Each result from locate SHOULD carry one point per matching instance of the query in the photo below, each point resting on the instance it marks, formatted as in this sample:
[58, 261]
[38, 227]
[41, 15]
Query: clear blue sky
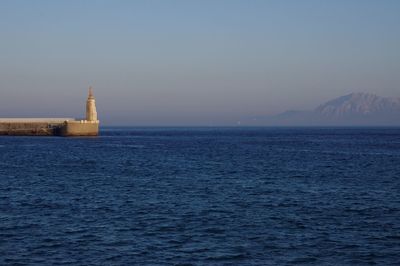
[193, 62]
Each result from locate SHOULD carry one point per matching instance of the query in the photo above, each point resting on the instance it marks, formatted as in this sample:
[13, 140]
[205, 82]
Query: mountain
[363, 104]
[355, 109]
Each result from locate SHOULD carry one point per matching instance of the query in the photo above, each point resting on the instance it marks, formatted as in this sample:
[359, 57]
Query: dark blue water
[213, 196]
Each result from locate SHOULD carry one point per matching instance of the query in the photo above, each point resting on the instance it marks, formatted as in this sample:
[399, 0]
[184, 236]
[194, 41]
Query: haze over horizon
[193, 62]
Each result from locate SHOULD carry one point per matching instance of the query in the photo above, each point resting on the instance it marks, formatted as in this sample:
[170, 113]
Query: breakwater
[30, 127]
[48, 128]
[54, 126]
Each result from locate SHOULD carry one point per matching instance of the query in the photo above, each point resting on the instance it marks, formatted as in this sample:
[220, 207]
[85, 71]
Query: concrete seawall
[29, 128]
[67, 127]
[51, 128]
[79, 128]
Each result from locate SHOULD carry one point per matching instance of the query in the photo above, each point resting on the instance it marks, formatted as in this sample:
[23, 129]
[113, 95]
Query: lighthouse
[91, 113]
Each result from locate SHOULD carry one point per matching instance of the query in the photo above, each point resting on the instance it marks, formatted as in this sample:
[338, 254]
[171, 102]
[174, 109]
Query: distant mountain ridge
[355, 109]
[358, 104]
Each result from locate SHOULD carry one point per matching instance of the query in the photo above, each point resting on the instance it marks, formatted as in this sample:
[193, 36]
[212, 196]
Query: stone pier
[54, 126]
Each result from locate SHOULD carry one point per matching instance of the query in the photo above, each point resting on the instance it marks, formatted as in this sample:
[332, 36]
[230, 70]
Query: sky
[186, 62]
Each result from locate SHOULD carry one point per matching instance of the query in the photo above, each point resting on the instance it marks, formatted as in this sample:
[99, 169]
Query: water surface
[202, 196]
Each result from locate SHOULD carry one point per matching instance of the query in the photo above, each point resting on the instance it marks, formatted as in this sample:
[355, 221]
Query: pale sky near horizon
[208, 62]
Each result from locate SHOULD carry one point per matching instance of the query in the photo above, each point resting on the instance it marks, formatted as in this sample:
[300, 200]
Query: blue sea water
[202, 196]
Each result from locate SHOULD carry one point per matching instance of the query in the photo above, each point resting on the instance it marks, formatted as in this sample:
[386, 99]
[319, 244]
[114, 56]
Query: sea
[202, 196]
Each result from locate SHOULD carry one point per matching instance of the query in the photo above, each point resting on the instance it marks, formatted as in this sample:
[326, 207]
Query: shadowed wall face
[193, 62]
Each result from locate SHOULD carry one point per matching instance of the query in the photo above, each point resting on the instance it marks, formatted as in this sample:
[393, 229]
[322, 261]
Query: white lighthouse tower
[85, 127]
[91, 113]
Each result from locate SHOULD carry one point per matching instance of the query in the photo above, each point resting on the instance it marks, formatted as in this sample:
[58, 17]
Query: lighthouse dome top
[91, 95]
